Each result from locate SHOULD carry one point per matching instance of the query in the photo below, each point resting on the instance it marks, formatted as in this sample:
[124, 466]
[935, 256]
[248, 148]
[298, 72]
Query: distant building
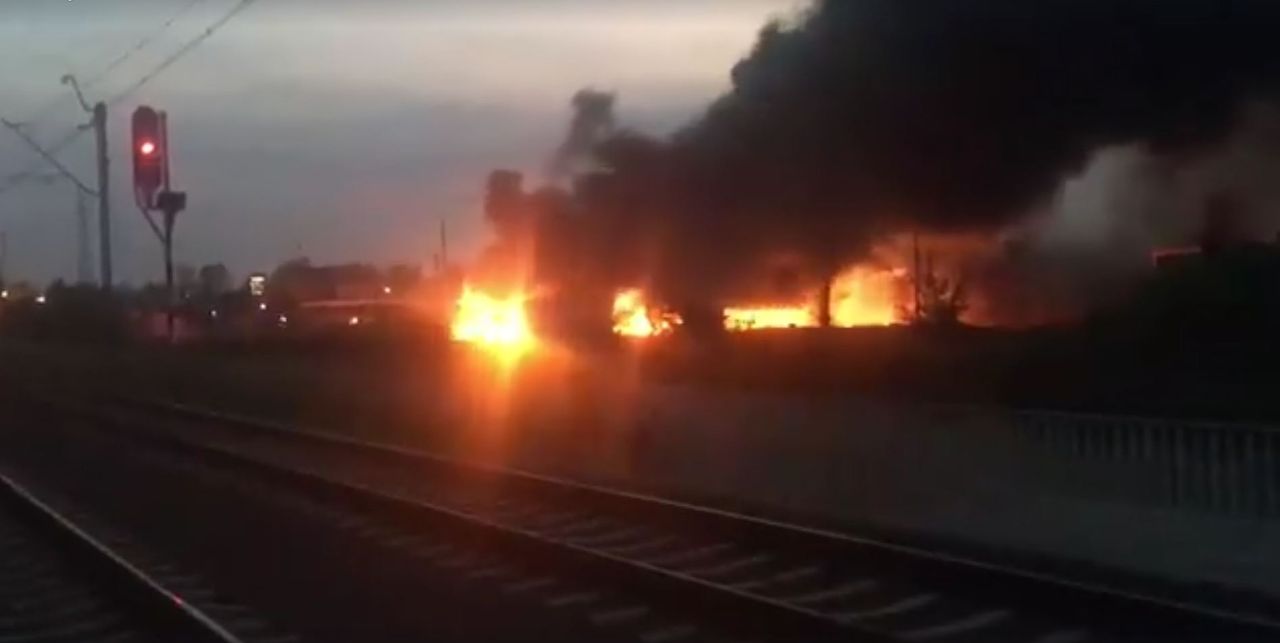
[299, 283]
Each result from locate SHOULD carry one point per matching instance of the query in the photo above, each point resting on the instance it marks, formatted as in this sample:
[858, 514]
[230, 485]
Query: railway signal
[150, 158]
[151, 188]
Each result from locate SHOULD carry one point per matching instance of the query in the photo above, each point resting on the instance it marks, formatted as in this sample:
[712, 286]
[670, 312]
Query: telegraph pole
[170, 208]
[444, 247]
[99, 124]
[104, 193]
[83, 271]
[82, 191]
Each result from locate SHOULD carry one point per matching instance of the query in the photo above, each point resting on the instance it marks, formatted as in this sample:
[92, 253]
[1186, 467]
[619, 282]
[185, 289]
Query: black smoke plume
[592, 122]
[862, 118]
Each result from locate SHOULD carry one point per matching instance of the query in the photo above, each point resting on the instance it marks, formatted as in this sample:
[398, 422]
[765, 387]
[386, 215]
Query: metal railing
[1215, 467]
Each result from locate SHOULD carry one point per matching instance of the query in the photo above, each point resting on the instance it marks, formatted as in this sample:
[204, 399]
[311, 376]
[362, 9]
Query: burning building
[496, 323]
[858, 124]
[634, 316]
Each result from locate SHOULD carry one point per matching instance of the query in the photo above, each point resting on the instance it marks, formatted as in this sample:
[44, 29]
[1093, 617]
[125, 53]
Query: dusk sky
[338, 130]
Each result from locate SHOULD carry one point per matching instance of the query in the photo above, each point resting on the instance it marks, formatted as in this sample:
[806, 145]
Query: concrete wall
[1195, 502]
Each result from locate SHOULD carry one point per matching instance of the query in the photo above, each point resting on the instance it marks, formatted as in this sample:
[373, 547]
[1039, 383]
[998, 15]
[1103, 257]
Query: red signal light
[148, 154]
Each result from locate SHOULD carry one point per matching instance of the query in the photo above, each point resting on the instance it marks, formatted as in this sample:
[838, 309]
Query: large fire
[860, 296]
[868, 296]
[633, 317]
[738, 318]
[498, 324]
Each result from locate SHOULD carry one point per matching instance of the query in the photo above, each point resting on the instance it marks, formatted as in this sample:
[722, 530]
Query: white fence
[1231, 469]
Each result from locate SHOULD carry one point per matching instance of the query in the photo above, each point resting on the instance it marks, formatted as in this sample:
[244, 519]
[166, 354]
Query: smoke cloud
[1096, 239]
[592, 122]
[860, 119]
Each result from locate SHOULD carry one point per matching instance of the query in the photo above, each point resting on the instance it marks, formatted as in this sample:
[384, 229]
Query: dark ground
[1113, 371]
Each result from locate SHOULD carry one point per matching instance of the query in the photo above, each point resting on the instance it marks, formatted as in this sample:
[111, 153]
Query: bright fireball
[494, 323]
[632, 317]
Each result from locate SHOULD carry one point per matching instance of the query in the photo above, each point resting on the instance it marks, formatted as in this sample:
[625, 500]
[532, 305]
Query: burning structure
[498, 324]
[635, 317]
[974, 130]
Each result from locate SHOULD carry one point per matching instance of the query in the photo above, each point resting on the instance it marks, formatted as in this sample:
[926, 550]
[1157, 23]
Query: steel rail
[1127, 610]
[143, 596]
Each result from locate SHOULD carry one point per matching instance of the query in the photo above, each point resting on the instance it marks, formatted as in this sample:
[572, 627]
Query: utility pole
[824, 297]
[104, 193]
[83, 271]
[169, 208]
[99, 124]
[82, 191]
[444, 247]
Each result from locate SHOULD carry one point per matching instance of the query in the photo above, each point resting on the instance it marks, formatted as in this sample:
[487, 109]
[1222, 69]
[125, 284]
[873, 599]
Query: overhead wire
[124, 57]
[70, 137]
[181, 52]
[143, 43]
[13, 180]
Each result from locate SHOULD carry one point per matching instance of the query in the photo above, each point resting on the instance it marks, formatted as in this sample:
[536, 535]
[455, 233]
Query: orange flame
[632, 317]
[866, 296]
[499, 325]
[863, 295]
[747, 318]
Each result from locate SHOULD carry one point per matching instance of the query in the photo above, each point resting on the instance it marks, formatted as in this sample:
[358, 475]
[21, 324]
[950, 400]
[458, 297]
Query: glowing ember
[497, 324]
[633, 318]
[863, 296]
[740, 319]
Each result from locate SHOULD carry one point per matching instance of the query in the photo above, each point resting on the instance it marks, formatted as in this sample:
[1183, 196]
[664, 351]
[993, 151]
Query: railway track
[59, 583]
[762, 578]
